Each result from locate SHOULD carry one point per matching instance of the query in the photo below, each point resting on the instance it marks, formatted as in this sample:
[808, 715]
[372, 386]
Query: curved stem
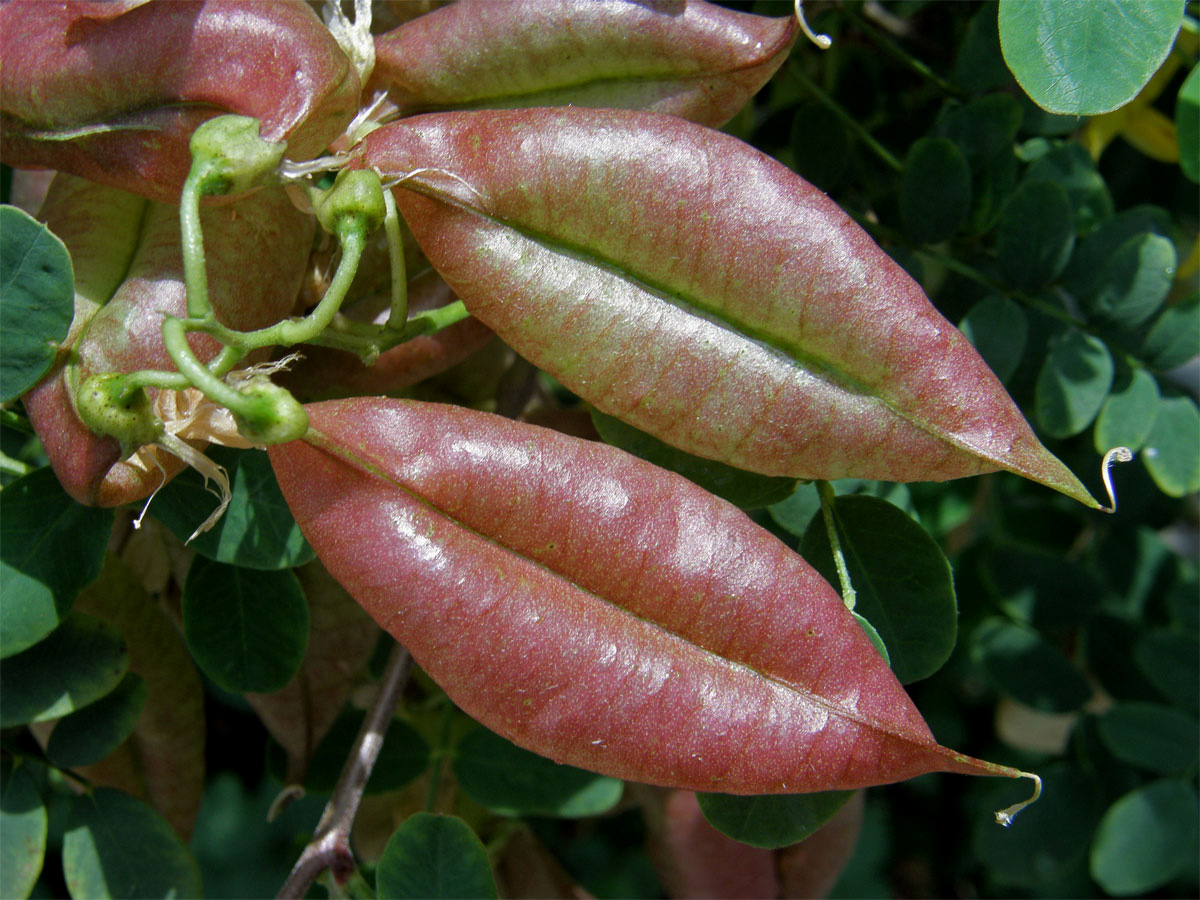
[368, 341]
[297, 331]
[330, 845]
[196, 373]
[195, 277]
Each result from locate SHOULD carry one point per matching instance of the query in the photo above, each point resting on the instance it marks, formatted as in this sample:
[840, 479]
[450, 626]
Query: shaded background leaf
[247, 629]
[116, 846]
[434, 857]
[23, 829]
[91, 733]
[77, 663]
[900, 577]
[257, 531]
[50, 548]
[163, 762]
[511, 781]
[340, 641]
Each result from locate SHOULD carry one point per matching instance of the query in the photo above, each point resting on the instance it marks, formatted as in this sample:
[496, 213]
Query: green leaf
[1084, 276]
[50, 548]
[257, 531]
[997, 327]
[37, 300]
[1146, 838]
[1170, 453]
[874, 635]
[1187, 124]
[91, 733]
[117, 846]
[23, 828]
[510, 781]
[771, 821]
[1174, 336]
[1029, 669]
[1151, 736]
[1171, 662]
[983, 127]
[402, 758]
[794, 513]
[980, 64]
[1035, 234]
[741, 488]
[432, 857]
[1128, 414]
[821, 149]
[246, 628]
[76, 664]
[935, 192]
[1086, 57]
[1039, 588]
[1185, 610]
[1051, 836]
[1072, 384]
[1135, 281]
[901, 578]
[1071, 167]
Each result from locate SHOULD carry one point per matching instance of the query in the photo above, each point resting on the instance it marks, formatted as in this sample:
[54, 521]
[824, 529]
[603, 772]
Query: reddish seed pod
[113, 91]
[689, 58]
[599, 610]
[813, 355]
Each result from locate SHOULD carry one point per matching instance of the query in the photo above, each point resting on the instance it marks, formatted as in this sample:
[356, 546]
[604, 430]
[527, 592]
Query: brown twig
[330, 844]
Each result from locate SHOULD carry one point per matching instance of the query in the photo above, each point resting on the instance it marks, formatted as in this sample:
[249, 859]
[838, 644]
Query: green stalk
[825, 492]
[848, 120]
[391, 227]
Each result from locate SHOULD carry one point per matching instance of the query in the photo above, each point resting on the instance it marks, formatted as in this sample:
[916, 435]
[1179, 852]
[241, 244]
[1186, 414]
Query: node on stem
[356, 195]
[232, 156]
[269, 414]
[102, 406]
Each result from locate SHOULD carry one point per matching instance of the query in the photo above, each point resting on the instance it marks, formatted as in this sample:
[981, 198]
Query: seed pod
[112, 92]
[596, 609]
[691, 58]
[699, 290]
